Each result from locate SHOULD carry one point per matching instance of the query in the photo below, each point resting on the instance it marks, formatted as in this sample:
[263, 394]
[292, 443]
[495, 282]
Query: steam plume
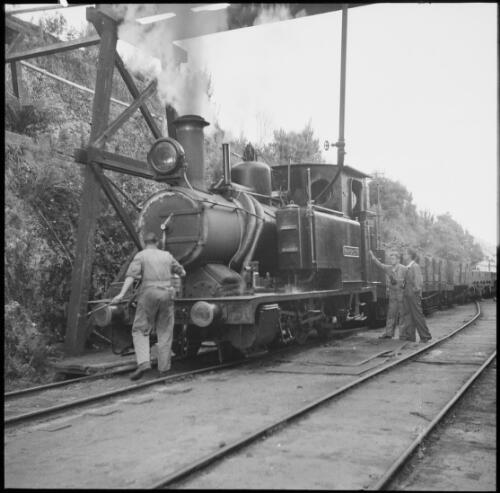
[185, 86]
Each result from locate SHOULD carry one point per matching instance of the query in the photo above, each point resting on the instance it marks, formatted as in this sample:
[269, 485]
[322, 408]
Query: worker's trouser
[394, 314]
[414, 317]
[155, 308]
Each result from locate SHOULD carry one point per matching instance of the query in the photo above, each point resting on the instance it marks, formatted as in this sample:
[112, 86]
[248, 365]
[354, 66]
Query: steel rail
[389, 474]
[213, 457]
[85, 378]
[105, 395]
[130, 388]
[97, 376]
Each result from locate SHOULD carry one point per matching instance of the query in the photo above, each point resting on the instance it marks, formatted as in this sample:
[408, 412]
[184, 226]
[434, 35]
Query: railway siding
[349, 443]
[173, 424]
[462, 449]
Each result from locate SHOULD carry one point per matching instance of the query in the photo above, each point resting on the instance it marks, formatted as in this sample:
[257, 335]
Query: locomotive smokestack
[189, 132]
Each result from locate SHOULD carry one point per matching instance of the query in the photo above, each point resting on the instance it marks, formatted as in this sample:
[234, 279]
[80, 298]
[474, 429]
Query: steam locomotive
[271, 255]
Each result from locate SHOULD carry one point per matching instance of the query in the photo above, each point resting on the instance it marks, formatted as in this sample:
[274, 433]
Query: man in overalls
[412, 300]
[395, 273]
[155, 307]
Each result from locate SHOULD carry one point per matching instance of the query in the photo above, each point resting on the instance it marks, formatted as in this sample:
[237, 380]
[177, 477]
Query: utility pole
[343, 57]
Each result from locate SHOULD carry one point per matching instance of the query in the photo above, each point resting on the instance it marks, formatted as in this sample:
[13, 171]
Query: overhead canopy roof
[198, 19]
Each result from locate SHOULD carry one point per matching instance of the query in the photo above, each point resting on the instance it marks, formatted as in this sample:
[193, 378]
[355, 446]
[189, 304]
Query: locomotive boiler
[271, 255]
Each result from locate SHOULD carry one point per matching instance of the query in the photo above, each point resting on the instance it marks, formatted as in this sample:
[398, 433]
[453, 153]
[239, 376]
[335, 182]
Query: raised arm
[379, 264]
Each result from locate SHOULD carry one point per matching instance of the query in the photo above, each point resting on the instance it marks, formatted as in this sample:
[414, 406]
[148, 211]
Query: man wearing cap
[154, 267]
[395, 273]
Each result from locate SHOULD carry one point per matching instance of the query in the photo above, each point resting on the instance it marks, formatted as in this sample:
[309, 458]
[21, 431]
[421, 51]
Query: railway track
[460, 450]
[392, 471]
[102, 396]
[47, 411]
[182, 476]
[64, 383]
[184, 423]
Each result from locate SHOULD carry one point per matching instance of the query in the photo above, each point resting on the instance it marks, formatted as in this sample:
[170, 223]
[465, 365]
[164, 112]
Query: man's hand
[117, 299]
[372, 254]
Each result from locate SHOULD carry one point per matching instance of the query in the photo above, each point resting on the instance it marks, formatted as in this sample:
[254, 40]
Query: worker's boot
[140, 371]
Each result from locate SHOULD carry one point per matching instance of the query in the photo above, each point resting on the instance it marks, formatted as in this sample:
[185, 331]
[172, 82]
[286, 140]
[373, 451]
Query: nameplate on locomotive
[351, 251]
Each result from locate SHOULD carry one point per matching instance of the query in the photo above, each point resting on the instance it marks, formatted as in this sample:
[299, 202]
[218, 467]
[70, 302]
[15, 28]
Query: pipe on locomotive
[226, 166]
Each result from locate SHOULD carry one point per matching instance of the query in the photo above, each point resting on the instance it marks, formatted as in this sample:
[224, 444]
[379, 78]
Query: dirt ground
[135, 440]
[348, 445]
[460, 454]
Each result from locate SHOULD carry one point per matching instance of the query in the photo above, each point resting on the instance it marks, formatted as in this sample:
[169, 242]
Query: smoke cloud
[151, 49]
[185, 86]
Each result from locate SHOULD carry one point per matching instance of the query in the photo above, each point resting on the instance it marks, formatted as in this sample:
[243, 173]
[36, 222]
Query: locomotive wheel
[185, 346]
[227, 352]
[323, 332]
[299, 333]
[187, 349]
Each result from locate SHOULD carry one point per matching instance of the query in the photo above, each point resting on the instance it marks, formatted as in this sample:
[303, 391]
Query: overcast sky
[421, 95]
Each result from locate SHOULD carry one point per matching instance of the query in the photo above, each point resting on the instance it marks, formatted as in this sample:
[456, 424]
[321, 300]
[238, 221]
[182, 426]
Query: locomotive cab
[327, 224]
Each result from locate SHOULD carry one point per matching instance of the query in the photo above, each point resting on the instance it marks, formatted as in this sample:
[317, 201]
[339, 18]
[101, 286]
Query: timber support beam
[76, 331]
[52, 49]
[113, 162]
[115, 126]
[134, 91]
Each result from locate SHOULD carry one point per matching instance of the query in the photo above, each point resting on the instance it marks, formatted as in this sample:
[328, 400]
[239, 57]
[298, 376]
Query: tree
[213, 153]
[295, 147]
[395, 199]
[402, 226]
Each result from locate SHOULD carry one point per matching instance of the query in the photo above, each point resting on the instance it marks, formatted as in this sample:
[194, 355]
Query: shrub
[26, 350]
[32, 118]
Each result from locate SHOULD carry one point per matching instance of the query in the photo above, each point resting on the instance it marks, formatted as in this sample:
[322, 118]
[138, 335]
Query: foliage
[213, 153]
[295, 147]
[25, 348]
[451, 241]
[30, 119]
[402, 226]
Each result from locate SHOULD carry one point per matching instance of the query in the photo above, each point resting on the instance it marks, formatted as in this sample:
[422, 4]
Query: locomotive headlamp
[203, 313]
[166, 156]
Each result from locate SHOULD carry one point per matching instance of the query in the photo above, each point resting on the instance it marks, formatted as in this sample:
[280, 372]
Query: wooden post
[91, 195]
[17, 81]
[16, 70]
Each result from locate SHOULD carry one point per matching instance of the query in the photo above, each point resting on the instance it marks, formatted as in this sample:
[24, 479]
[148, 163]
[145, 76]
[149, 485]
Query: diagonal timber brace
[123, 117]
[134, 91]
[94, 15]
[122, 214]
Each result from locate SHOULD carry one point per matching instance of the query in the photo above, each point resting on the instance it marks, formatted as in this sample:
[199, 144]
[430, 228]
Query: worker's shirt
[154, 267]
[414, 280]
[395, 277]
